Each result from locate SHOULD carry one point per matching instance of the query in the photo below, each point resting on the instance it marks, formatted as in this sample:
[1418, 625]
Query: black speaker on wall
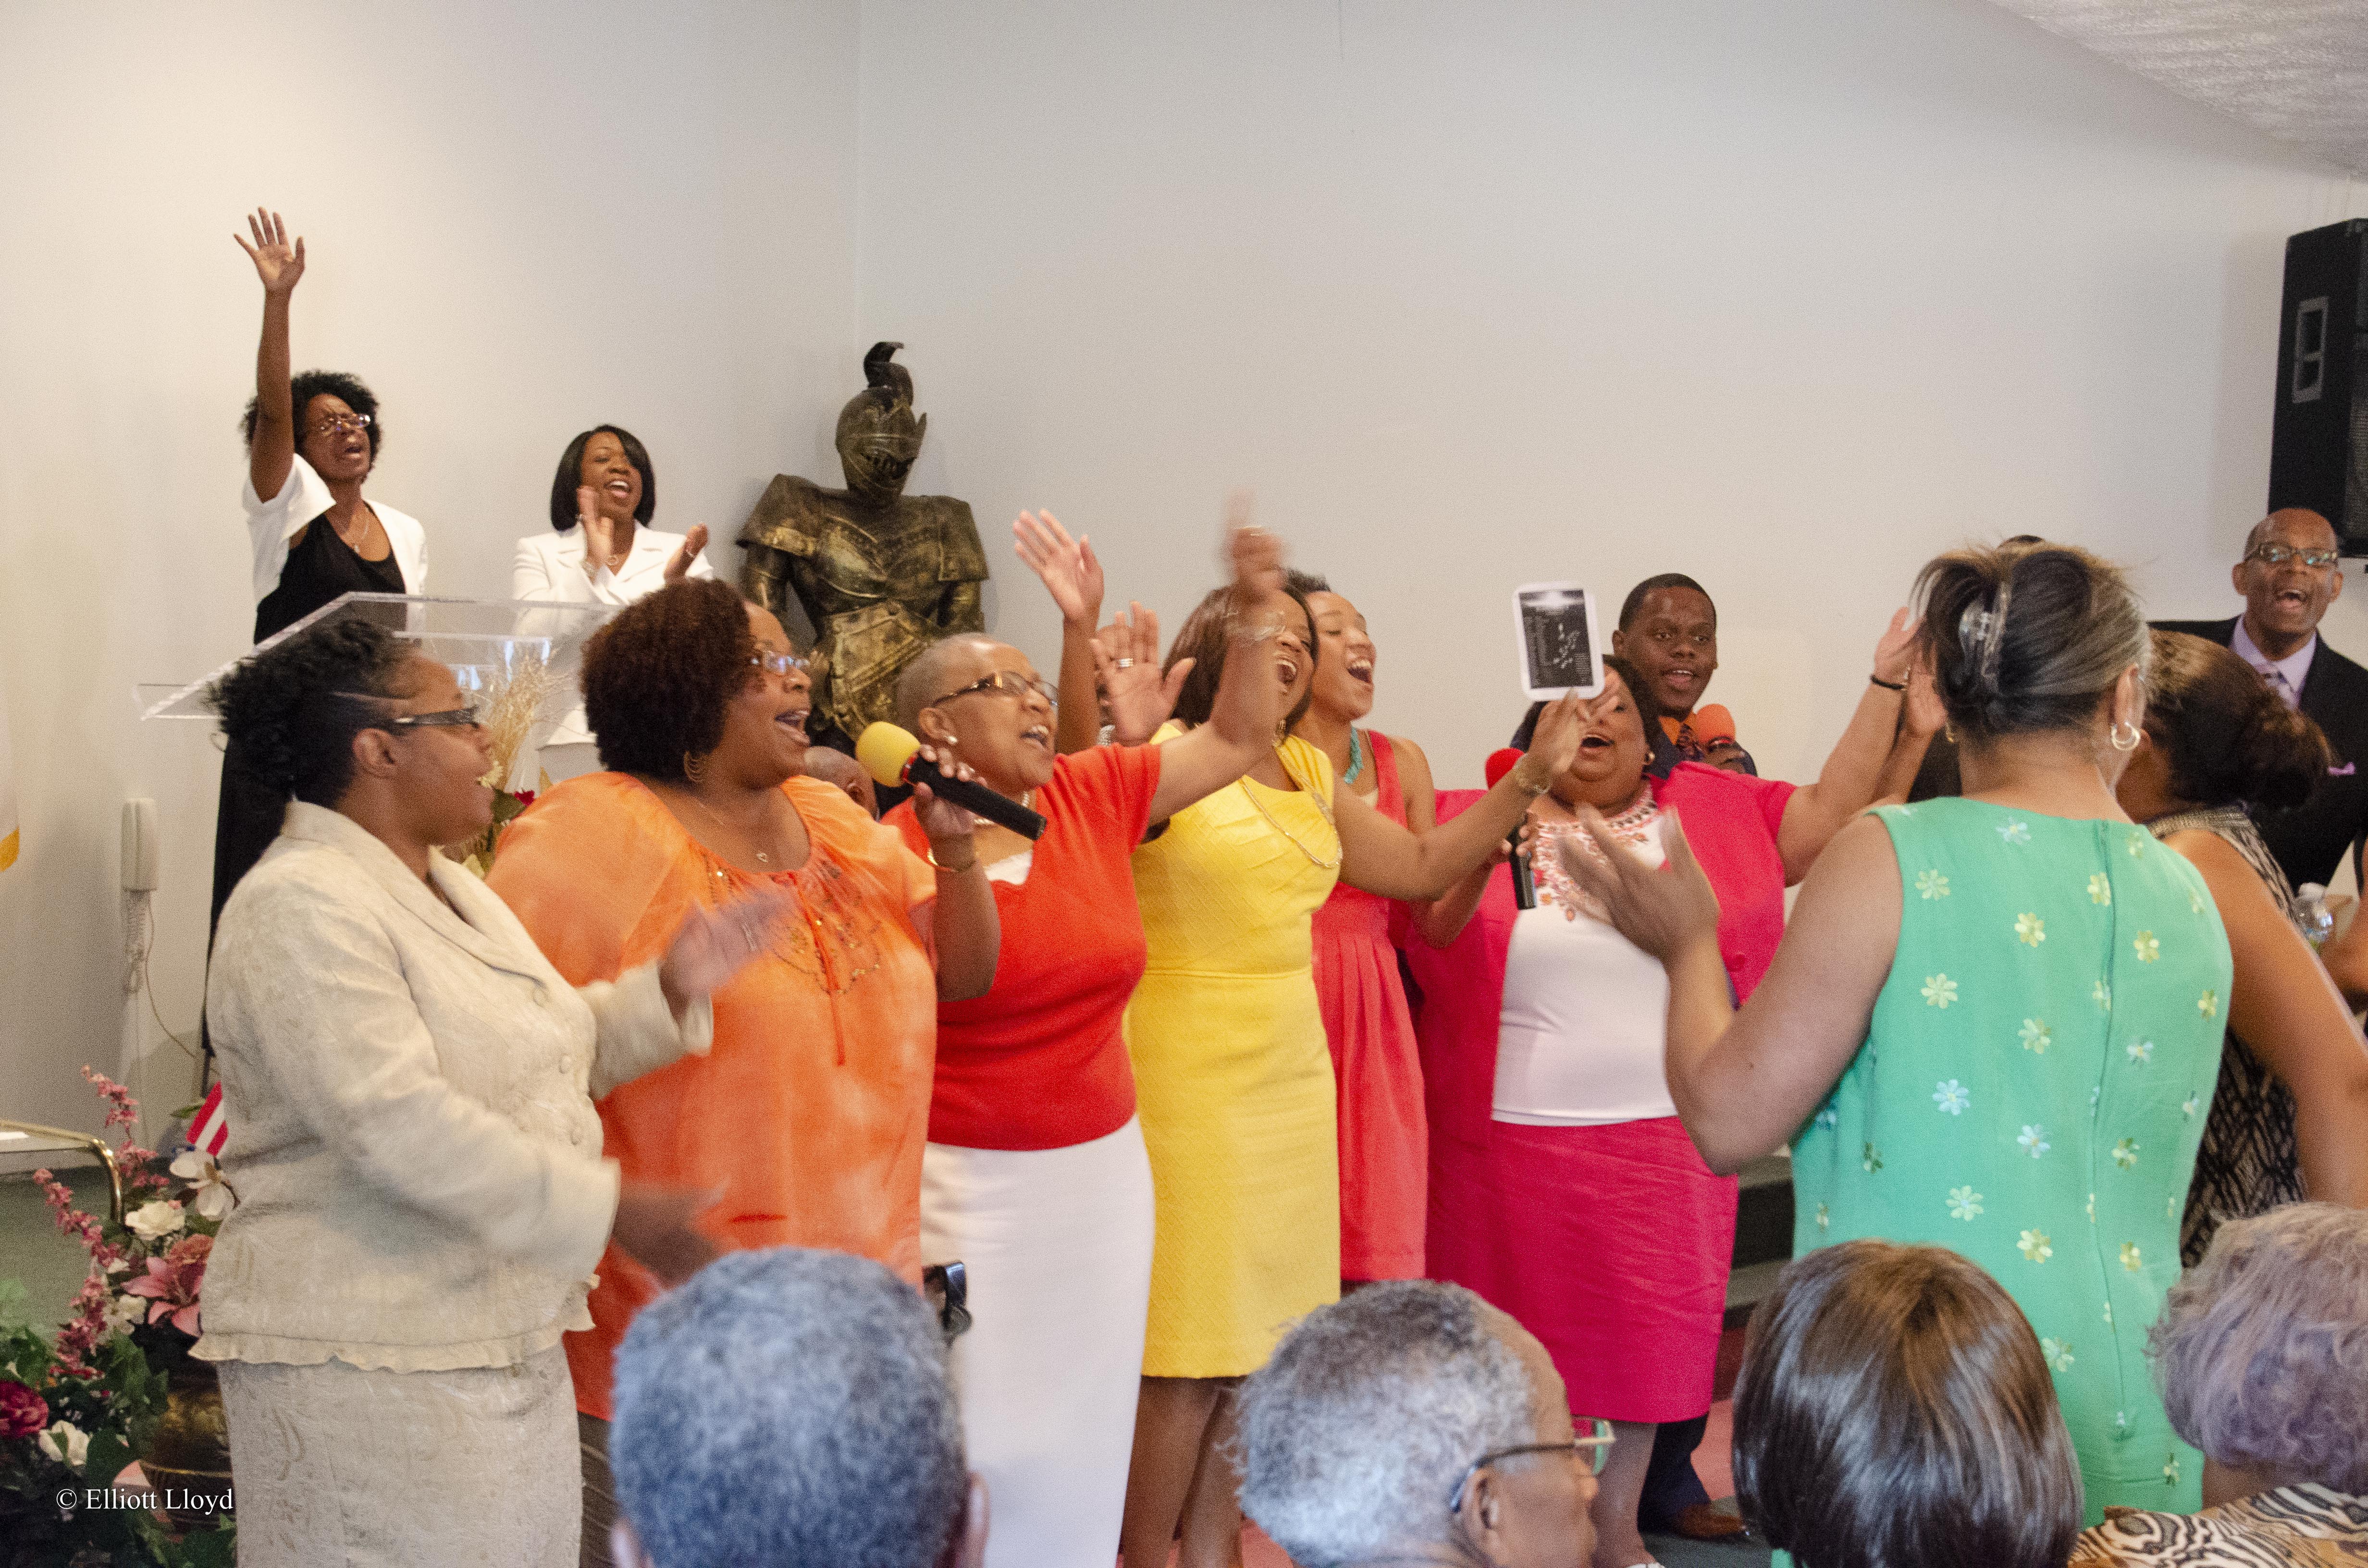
[2318, 450]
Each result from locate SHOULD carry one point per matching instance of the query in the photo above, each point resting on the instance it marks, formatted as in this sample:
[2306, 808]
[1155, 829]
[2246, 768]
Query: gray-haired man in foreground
[788, 1408]
[1413, 1421]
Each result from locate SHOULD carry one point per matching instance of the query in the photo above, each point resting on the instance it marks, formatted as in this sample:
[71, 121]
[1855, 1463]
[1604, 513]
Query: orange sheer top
[812, 1109]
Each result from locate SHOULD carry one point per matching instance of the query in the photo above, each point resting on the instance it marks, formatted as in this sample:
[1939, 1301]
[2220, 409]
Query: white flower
[1940, 990]
[155, 1220]
[2101, 994]
[2187, 1106]
[2034, 1141]
[2101, 889]
[127, 1312]
[2148, 949]
[1952, 1097]
[2141, 1051]
[2034, 1246]
[2029, 929]
[2014, 833]
[1932, 884]
[2125, 1153]
[1964, 1202]
[2036, 1036]
[66, 1443]
[2058, 1354]
[213, 1195]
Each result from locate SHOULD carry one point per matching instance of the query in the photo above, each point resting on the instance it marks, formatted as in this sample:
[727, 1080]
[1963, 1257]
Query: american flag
[210, 1130]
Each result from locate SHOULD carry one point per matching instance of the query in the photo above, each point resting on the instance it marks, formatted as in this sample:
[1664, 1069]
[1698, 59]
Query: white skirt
[334, 1466]
[1058, 1246]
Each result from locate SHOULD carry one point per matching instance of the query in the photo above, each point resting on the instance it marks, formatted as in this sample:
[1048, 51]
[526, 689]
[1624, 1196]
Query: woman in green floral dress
[1995, 1022]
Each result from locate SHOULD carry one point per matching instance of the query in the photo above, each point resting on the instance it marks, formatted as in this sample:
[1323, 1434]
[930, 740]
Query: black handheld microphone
[892, 755]
[1525, 887]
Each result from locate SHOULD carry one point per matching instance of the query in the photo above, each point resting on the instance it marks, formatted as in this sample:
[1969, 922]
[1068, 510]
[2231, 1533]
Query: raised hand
[1661, 914]
[278, 263]
[713, 945]
[1126, 667]
[1895, 654]
[1560, 727]
[677, 565]
[1924, 714]
[1072, 573]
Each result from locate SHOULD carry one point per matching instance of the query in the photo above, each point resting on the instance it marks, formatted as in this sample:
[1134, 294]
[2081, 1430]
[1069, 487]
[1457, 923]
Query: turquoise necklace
[1355, 758]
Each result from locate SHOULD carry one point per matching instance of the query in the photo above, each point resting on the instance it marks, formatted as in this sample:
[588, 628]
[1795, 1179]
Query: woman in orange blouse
[810, 1114]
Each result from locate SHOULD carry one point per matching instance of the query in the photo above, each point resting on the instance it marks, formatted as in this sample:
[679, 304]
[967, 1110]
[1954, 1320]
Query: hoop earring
[1950, 730]
[694, 768]
[2114, 736]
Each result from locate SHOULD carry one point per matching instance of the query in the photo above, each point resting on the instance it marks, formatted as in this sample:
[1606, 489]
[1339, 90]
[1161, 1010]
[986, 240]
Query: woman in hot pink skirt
[1563, 1186]
[1385, 1141]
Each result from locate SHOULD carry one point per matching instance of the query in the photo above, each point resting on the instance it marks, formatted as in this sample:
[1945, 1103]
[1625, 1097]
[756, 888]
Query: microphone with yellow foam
[891, 755]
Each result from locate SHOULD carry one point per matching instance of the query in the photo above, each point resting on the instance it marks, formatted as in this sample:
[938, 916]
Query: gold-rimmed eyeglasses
[1011, 684]
[2279, 555]
[336, 424]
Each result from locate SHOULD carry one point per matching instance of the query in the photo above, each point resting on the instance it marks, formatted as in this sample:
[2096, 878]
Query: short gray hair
[1353, 1435]
[788, 1408]
[922, 682]
[2261, 1352]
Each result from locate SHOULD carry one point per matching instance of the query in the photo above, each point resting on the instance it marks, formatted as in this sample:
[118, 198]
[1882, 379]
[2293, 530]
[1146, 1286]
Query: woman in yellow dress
[1233, 1077]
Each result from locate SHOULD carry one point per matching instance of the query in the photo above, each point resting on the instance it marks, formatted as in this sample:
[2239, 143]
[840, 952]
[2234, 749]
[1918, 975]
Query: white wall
[1788, 296]
[520, 221]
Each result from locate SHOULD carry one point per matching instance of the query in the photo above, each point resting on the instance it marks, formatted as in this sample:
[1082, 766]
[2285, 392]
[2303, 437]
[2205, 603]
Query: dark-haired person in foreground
[1413, 1423]
[811, 1111]
[789, 1408]
[310, 441]
[2290, 574]
[2291, 1111]
[409, 1084]
[2262, 1354]
[1893, 1408]
[600, 550]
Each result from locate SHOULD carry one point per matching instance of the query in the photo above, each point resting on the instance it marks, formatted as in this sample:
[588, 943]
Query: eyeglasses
[1593, 1447]
[334, 423]
[461, 717]
[778, 664]
[1011, 684]
[2279, 555]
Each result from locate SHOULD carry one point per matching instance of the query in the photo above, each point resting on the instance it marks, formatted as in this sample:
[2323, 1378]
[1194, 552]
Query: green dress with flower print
[2031, 1093]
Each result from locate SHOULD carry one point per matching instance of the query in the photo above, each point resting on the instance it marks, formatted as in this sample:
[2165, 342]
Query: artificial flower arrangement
[77, 1410]
[509, 702]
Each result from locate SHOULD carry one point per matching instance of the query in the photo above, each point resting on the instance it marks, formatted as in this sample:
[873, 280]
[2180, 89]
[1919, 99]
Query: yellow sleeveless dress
[1233, 1079]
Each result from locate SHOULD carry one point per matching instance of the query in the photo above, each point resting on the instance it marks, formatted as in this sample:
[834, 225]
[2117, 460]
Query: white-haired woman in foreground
[2262, 1354]
[1412, 1421]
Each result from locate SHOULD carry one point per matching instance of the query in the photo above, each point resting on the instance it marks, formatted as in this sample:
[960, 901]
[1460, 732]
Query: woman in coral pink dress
[1384, 1142]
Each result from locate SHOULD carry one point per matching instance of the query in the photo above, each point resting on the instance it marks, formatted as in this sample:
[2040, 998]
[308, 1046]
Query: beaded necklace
[1555, 886]
[1357, 748]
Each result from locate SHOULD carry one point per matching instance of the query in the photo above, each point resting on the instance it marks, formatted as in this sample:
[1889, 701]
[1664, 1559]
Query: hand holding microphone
[893, 755]
[1501, 761]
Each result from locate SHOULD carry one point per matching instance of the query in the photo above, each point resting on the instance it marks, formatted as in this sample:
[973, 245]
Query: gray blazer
[412, 1138]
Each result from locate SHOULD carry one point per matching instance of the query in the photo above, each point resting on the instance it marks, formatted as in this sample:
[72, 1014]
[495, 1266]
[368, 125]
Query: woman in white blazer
[422, 1197]
[600, 551]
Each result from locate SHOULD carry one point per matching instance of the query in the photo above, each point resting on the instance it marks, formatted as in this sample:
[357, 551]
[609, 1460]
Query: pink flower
[23, 1413]
[87, 1328]
[172, 1283]
[122, 1110]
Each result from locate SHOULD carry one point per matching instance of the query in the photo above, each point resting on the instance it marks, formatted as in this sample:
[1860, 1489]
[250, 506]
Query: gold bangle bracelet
[971, 865]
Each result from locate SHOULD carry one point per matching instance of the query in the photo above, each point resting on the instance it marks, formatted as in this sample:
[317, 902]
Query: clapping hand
[599, 533]
[278, 263]
[677, 565]
[1660, 913]
[713, 945]
[1072, 573]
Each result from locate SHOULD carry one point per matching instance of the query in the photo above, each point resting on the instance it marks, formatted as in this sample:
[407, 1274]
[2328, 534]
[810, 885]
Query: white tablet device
[1560, 650]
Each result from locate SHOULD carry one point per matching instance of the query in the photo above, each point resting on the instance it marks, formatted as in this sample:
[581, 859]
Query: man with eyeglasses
[1412, 1421]
[2290, 574]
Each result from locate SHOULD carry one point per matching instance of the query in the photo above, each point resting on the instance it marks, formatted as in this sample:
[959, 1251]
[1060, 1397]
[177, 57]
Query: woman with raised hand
[1384, 1139]
[1994, 1022]
[600, 550]
[1035, 1175]
[810, 1114]
[1565, 1189]
[1233, 1077]
[310, 441]
[2291, 1111]
[422, 1196]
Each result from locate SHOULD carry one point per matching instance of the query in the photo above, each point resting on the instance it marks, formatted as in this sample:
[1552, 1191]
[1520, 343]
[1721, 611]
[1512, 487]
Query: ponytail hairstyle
[2026, 639]
[2229, 740]
[1207, 634]
[292, 712]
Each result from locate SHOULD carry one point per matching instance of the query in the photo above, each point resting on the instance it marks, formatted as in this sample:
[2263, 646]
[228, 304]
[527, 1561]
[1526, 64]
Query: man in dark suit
[2289, 575]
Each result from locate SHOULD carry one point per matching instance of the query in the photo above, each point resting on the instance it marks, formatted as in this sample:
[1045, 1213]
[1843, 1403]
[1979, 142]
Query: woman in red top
[1035, 1175]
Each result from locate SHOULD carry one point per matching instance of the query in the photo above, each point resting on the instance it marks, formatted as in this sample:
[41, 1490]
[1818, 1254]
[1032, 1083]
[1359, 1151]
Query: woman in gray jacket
[421, 1199]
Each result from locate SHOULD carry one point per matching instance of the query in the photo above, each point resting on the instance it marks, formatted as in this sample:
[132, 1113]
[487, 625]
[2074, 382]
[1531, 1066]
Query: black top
[2311, 840]
[321, 566]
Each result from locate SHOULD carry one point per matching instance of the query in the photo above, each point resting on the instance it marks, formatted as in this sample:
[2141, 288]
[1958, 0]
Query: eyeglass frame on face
[2316, 559]
[331, 424]
[772, 664]
[997, 684]
[1596, 1444]
[464, 717]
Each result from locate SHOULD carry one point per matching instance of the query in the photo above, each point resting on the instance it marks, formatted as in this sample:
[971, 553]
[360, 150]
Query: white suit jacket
[549, 569]
[412, 1143]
